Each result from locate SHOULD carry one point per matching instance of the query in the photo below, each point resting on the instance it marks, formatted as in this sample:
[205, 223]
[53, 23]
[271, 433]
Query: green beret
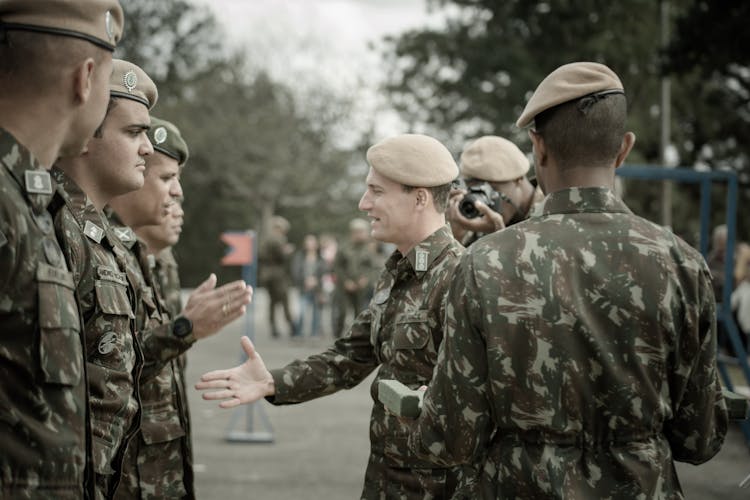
[97, 21]
[492, 158]
[131, 82]
[570, 82]
[166, 139]
[413, 160]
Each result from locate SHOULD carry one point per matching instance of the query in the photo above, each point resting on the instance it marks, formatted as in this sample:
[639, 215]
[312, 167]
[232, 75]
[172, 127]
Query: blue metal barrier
[723, 307]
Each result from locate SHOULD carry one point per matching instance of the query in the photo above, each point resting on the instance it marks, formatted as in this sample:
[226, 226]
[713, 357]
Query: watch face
[182, 327]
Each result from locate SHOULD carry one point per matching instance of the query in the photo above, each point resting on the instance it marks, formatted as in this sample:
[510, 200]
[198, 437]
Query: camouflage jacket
[160, 466]
[400, 332]
[579, 357]
[43, 398]
[114, 360]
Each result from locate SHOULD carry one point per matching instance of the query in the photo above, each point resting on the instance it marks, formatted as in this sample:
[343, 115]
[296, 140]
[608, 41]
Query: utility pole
[666, 112]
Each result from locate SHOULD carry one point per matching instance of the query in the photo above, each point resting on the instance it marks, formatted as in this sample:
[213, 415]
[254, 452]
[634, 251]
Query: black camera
[481, 192]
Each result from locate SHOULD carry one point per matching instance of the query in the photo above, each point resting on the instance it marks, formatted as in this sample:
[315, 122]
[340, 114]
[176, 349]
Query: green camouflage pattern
[159, 462]
[579, 358]
[113, 356]
[400, 332]
[354, 260]
[43, 398]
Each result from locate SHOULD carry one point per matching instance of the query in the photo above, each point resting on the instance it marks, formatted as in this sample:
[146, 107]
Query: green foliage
[254, 149]
[474, 75]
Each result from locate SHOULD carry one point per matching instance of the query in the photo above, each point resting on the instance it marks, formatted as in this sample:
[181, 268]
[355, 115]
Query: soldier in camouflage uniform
[579, 354]
[55, 58]
[158, 464]
[399, 332]
[353, 269]
[112, 165]
[497, 162]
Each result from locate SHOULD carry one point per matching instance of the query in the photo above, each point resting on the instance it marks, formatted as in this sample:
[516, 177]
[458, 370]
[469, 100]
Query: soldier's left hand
[211, 309]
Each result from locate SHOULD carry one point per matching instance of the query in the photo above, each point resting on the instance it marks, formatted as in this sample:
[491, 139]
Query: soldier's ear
[422, 197]
[83, 80]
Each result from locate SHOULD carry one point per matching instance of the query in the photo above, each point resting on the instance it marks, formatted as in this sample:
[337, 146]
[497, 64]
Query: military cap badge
[160, 135]
[130, 80]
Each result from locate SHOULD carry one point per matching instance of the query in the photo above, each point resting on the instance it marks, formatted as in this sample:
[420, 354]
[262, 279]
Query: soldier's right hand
[211, 309]
[242, 384]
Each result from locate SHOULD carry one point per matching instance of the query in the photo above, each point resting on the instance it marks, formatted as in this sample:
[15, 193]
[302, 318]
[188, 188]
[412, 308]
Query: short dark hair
[110, 106]
[440, 195]
[31, 61]
[582, 132]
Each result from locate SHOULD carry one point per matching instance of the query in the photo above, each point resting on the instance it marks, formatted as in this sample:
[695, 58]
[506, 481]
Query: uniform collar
[420, 258]
[126, 235]
[93, 222]
[581, 200]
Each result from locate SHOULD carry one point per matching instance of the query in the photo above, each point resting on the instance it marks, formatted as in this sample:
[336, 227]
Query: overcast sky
[320, 40]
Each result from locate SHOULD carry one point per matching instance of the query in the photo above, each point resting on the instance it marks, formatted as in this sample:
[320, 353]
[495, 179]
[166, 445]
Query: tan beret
[166, 139]
[131, 82]
[279, 222]
[492, 158]
[413, 160]
[569, 82]
[97, 21]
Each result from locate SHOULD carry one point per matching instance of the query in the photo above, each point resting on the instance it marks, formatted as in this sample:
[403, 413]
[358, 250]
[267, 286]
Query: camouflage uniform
[43, 398]
[114, 360]
[353, 261]
[400, 332]
[158, 463]
[579, 361]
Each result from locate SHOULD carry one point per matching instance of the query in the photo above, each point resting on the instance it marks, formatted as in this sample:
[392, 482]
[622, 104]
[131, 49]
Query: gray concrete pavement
[321, 447]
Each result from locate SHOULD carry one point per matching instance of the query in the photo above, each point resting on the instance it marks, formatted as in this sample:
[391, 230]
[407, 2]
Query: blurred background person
[354, 267]
[274, 271]
[307, 271]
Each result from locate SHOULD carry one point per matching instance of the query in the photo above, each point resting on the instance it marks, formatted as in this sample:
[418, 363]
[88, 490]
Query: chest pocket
[160, 420]
[60, 349]
[412, 330]
[111, 343]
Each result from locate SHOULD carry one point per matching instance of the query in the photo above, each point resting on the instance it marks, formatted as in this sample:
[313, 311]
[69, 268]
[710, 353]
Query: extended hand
[242, 384]
[211, 309]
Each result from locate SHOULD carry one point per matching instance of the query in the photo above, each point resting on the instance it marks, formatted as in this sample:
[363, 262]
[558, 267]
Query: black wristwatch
[182, 327]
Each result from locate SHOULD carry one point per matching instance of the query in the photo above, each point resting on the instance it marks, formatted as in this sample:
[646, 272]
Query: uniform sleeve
[160, 346]
[455, 424]
[699, 424]
[346, 364]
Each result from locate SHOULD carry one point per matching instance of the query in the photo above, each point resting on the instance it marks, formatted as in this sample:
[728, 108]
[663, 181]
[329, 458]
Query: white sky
[314, 42]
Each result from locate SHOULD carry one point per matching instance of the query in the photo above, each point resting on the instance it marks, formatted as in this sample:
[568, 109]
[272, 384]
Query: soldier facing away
[55, 61]
[401, 330]
[579, 358]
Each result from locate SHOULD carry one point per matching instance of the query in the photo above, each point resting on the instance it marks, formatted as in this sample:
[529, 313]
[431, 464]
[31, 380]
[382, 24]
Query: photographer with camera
[493, 191]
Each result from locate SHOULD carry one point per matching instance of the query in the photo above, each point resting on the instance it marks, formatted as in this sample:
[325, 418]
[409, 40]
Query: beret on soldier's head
[492, 158]
[567, 83]
[413, 160]
[166, 139]
[131, 82]
[97, 21]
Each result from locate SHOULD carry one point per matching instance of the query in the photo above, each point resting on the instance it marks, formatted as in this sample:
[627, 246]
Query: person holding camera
[493, 191]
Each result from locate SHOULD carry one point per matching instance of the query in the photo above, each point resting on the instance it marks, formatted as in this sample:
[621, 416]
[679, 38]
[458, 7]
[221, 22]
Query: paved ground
[320, 448]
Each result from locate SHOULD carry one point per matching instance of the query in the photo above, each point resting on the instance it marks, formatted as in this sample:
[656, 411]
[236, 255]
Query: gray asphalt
[320, 448]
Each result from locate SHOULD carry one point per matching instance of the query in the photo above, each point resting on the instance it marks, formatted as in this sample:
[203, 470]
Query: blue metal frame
[723, 309]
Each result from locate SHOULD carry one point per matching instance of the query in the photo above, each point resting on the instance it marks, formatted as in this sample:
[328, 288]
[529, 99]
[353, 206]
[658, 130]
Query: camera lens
[466, 205]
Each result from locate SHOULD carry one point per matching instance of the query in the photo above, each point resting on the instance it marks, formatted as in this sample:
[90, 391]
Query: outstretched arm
[242, 384]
